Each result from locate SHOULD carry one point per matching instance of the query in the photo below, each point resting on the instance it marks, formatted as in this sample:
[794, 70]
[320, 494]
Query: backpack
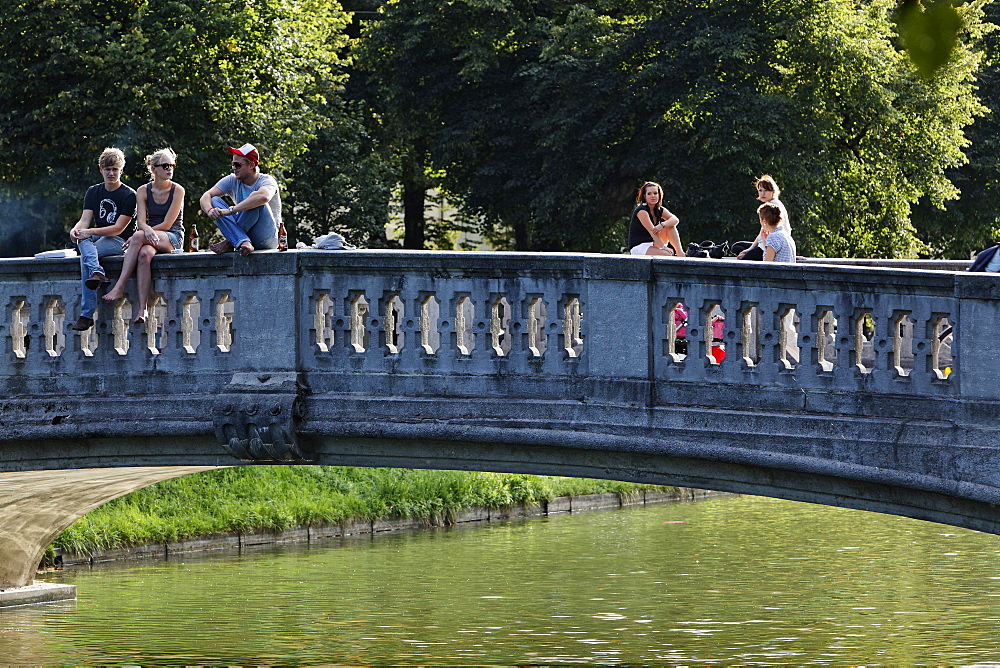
[708, 249]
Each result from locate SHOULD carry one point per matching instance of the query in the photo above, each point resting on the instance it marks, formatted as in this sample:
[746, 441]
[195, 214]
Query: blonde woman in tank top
[159, 218]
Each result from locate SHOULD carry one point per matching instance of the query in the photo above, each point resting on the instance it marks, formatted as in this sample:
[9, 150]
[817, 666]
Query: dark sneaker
[83, 324]
[97, 280]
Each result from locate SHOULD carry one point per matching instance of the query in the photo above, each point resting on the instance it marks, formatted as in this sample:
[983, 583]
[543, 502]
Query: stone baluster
[571, 336]
[20, 318]
[500, 338]
[430, 324]
[463, 336]
[54, 328]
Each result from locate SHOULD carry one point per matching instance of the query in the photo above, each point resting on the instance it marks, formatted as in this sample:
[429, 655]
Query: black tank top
[157, 213]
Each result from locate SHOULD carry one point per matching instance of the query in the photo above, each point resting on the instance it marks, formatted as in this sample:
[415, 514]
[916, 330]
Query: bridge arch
[46, 501]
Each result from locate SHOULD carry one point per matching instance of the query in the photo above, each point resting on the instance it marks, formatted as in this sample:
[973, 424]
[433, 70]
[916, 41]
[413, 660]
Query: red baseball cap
[247, 151]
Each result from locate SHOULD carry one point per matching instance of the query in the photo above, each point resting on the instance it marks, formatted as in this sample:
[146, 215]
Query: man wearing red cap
[251, 223]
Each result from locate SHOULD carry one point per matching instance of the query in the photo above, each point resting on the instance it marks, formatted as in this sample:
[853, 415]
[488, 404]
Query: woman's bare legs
[144, 281]
[653, 250]
[667, 236]
[135, 243]
[144, 274]
[674, 237]
[137, 260]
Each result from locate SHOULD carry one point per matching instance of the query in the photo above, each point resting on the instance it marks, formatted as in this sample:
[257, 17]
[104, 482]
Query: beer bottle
[193, 239]
[282, 237]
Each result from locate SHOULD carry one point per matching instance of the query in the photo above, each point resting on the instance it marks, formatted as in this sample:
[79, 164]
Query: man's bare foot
[221, 247]
[246, 248]
[141, 318]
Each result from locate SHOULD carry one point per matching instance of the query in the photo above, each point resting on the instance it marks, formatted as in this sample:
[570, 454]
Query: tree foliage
[541, 117]
[343, 183]
[958, 227]
[345, 179]
[546, 115]
[929, 33]
[80, 75]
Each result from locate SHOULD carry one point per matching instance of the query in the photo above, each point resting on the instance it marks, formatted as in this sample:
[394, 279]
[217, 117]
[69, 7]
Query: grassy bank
[255, 499]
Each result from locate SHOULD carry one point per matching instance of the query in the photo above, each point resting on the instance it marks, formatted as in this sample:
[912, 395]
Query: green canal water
[731, 580]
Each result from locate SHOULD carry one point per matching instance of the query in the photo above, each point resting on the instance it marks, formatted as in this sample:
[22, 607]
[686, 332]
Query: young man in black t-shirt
[106, 222]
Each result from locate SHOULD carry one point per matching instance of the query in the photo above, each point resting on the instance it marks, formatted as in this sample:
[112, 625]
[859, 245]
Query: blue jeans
[257, 225]
[91, 250]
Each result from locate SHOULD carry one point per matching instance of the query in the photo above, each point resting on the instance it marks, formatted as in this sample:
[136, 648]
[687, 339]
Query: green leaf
[929, 34]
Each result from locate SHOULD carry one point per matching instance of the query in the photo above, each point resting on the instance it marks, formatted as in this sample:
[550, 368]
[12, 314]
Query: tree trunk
[414, 191]
[521, 237]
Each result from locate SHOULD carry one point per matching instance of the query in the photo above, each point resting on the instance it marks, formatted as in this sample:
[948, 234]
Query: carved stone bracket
[256, 417]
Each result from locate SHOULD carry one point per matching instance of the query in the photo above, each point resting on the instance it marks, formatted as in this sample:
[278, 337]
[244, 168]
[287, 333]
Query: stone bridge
[871, 387]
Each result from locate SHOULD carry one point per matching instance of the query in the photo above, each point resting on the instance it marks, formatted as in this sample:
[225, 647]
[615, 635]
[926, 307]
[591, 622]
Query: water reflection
[729, 580]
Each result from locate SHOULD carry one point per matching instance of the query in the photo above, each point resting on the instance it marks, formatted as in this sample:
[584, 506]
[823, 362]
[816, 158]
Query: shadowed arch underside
[36, 505]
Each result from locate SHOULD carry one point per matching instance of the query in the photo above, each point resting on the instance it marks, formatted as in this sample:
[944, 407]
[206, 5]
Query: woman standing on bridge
[160, 217]
[652, 227]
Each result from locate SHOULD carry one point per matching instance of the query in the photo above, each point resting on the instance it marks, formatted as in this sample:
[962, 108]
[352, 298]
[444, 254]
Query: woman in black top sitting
[653, 227]
[159, 217]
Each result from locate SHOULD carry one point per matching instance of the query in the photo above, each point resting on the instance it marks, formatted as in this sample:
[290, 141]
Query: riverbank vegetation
[521, 114]
[259, 499]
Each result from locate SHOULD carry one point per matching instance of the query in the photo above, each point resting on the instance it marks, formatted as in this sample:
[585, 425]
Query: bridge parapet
[189, 334]
[806, 338]
[457, 316]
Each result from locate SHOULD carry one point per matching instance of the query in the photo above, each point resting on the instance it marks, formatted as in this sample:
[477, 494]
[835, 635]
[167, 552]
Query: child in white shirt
[778, 243]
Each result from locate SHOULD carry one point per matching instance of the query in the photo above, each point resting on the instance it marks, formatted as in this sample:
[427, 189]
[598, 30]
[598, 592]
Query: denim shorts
[175, 240]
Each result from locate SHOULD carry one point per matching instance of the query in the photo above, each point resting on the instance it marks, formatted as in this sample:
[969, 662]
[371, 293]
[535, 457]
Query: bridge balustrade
[429, 315]
[189, 331]
[848, 331]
